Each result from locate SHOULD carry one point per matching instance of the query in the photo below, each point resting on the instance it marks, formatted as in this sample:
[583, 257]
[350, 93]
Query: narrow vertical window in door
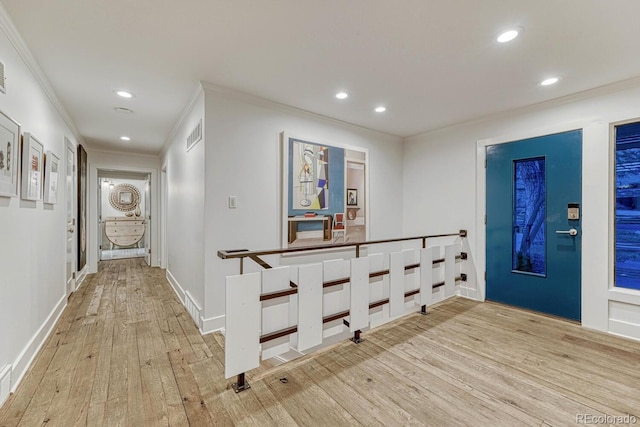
[627, 207]
[529, 254]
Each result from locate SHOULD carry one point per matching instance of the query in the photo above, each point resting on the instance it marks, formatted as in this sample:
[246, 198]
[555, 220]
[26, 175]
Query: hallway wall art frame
[51, 178]
[32, 167]
[314, 187]
[9, 149]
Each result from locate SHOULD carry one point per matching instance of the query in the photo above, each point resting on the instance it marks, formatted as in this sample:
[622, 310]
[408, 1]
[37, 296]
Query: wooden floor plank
[125, 352]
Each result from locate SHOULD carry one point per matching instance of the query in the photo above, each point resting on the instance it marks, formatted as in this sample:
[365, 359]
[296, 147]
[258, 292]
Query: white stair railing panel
[426, 276]
[310, 298]
[359, 310]
[379, 289]
[396, 284]
[450, 252]
[242, 324]
[336, 298]
[275, 313]
[411, 277]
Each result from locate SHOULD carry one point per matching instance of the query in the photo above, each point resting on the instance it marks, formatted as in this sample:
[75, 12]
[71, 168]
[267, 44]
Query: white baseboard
[470, 293]
[624, 329]
[5, 383]
[193, 309]
[82, 274]
[176, 286]
[212, 324]
[30, 351]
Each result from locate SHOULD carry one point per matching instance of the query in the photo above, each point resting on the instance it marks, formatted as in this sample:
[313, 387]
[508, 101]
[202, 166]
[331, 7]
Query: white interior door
[147, 221]
[70, 196]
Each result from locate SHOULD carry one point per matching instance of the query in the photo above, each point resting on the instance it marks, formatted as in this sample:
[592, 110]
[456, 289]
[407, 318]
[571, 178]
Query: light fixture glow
[507, 36]
[124, 94]
[380, 109]
[549, 81]
[125, 138]
[342, 95]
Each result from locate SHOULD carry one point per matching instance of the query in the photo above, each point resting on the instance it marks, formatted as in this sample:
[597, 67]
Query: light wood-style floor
[125, 352]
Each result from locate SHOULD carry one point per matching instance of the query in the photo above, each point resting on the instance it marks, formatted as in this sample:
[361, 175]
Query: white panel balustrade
[450, 252]
[310, 297]
[396, 284]
[275, 313]
[426, 276]
[242, 324]
[359, 311]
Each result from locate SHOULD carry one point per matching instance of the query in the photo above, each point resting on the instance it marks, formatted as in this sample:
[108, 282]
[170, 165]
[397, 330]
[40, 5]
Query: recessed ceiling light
[124, 94]
[342, 95]
[549, 81]
[380, 109]
[509, 35]
[124, 110]
[125, 138]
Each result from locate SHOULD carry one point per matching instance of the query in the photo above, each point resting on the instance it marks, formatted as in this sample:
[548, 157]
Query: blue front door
[533, 223]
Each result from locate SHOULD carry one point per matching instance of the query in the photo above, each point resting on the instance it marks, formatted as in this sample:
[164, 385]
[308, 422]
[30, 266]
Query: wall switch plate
[233, 202]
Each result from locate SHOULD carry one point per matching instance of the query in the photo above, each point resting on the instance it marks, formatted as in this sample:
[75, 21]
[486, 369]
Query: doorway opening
[355, 197]
[124, 215]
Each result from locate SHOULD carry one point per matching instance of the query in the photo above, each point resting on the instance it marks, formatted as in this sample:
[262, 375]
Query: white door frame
[92, 217]
[163, 216]
[71, 204]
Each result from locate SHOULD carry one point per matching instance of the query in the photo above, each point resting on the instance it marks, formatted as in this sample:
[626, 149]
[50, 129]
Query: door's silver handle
[571, 232]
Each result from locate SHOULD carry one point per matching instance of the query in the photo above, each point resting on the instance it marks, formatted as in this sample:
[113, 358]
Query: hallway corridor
[126, 353]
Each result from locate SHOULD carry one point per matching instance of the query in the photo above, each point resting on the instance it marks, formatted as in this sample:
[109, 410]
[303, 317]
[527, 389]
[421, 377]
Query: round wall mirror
[124, 197]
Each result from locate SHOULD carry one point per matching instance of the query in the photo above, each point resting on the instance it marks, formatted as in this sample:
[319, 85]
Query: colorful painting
[319, 180]
[310, 176]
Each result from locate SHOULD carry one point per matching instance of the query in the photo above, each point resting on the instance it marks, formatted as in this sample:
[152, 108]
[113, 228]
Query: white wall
[441, 169]
[104, 160]
[185, 213]
[32, 249]
[243, 160]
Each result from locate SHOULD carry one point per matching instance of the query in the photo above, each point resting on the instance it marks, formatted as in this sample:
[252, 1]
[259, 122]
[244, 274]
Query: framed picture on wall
[319, 181]
[9, 149]
[32, 167]
[51, 168]
[352, 197]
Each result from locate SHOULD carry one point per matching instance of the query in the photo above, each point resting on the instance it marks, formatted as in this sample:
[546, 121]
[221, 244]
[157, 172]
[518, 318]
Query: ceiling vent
[2, 88]
[194, 136]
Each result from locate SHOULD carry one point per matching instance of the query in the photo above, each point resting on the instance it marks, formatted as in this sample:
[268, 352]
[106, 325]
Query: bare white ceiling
[433, 63]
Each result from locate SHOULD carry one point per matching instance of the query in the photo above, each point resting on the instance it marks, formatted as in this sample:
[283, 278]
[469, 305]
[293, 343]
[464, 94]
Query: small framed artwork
[51, 168]
[352, 197]
[32, 167]
[9, 149]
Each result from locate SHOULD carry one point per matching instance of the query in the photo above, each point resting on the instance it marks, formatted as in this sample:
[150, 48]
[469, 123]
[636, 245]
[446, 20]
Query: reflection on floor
[122, 253]
[355, 233]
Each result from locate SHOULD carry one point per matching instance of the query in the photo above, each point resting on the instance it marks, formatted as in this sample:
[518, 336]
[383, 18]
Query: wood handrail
[243, 253]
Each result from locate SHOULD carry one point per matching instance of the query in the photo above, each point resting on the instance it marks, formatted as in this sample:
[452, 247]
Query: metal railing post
[241, 384]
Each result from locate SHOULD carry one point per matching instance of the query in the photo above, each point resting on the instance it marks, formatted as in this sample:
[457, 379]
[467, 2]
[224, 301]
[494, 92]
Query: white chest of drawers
[124, 231]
